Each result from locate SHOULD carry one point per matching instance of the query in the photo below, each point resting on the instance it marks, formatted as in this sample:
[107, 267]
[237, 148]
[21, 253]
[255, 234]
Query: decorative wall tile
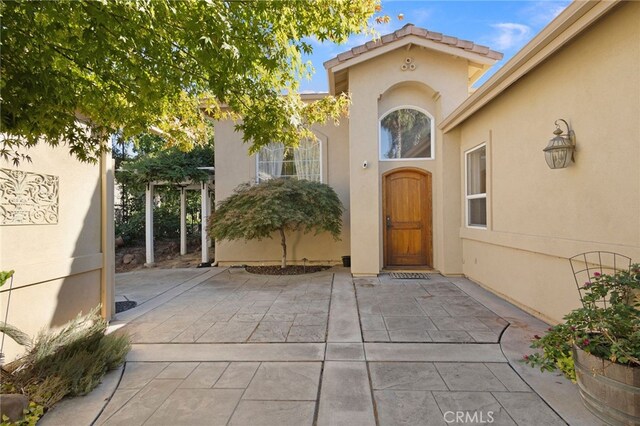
[28, 198]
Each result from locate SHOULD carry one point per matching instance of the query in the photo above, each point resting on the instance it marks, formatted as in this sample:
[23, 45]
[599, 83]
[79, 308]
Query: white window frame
[433, 134]
[466, 187]
[321, 159]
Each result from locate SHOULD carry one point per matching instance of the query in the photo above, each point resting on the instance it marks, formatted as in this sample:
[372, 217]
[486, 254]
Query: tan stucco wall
[539, 217]
[50, 304]
[234, 166]
[58, 266]
[438, 85]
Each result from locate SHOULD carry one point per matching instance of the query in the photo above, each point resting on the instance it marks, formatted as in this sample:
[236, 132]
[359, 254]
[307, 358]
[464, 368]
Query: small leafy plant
[277, 205]
[607, 325]
[31, 416]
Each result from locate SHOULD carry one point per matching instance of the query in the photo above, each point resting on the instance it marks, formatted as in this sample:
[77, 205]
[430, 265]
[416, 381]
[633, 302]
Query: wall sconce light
[559, 152]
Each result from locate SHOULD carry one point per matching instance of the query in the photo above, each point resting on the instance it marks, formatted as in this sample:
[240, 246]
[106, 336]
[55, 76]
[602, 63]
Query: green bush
[172, 166]
[166, 217]
[277, 206]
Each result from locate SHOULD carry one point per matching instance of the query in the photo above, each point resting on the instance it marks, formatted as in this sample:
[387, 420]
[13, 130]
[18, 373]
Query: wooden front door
[407, 218]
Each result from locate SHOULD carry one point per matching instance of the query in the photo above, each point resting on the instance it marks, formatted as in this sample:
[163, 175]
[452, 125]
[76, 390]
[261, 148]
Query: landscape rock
[128, 258]
[119, 241]
[12, 406]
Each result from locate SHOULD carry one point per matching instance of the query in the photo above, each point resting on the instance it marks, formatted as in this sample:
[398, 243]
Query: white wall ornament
[28, 198]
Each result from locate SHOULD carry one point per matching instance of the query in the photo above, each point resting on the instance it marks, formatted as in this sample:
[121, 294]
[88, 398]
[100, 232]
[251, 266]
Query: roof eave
[335, 65]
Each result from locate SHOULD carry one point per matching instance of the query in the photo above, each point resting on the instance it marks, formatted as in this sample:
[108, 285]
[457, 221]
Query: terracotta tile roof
[409, 30]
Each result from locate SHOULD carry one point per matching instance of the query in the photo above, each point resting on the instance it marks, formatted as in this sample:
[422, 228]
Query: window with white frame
[476, 186]
[406, 133]
[278, 161]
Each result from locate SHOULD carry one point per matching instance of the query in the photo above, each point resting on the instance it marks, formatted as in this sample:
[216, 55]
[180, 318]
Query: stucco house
[437, 176]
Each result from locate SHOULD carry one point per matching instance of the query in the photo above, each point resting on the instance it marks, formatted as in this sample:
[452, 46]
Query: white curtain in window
[270, 161]
[307, 159]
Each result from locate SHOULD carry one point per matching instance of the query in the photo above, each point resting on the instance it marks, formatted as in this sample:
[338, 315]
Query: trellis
[205, 189]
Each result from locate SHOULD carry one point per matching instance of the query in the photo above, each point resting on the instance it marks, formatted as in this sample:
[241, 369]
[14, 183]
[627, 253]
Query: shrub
[71, 361]
[166, 217]
[277, 205]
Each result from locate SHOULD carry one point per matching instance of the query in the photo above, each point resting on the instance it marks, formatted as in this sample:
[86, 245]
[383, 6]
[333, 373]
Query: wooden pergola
[205, 189]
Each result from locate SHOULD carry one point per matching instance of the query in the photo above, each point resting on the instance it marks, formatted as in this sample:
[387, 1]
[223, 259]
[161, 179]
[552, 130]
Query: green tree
[132, 65]
[162, 165]
[255, 212]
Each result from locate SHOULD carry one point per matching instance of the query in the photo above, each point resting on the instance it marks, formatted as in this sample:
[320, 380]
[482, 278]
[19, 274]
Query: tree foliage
[255, 212]
[152, 163]
[133, 64]
[171, 165]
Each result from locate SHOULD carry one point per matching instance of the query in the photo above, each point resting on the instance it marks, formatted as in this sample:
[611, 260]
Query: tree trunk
[283, 242]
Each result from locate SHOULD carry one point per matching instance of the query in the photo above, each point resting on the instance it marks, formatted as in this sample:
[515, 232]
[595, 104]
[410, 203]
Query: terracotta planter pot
[610, 391]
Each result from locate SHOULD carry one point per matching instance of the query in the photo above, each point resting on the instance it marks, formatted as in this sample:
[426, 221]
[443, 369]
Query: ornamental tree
[132, 65]
[255, 212]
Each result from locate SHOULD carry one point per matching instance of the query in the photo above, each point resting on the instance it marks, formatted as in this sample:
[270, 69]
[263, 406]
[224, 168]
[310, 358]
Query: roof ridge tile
[411, 29]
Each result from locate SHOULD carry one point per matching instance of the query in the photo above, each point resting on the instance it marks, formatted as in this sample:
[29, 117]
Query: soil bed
[166, 254]
[289, 270]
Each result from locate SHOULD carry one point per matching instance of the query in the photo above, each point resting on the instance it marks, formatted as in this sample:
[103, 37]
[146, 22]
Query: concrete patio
[223, 346]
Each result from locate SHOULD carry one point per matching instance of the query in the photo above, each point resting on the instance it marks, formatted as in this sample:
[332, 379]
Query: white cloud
[543, 12]
[509, 35]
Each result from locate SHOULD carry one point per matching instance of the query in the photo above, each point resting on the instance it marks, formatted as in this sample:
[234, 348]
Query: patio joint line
[316, 409]
[175, 286]
[355, 293]
[523, 379]
[326, 330]
[108, 400]
[243, 392]
[371, 391]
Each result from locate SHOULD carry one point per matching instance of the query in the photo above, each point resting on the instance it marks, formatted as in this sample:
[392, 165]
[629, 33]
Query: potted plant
[598, 345]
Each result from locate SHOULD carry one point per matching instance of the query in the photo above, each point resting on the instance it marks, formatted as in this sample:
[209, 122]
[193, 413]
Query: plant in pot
[598, 345]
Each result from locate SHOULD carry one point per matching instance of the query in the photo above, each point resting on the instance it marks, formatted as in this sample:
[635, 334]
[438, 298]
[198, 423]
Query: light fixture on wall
[559, 152]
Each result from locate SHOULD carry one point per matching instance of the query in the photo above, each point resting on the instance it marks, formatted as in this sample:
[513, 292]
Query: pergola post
[208, 214]
[204, 214]
[183, 221]
[148, 211]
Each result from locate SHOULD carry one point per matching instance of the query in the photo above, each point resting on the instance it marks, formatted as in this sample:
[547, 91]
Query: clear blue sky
[504, 26]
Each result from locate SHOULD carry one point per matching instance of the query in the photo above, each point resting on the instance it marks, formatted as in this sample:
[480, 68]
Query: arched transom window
[278, 161]
[406, 133]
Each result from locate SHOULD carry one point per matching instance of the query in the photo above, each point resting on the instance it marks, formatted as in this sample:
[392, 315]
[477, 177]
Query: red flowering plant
[607, 325]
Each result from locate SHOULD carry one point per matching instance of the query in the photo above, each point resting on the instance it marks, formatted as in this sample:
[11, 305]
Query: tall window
[277, 161]
[476, 194]
[406, 133]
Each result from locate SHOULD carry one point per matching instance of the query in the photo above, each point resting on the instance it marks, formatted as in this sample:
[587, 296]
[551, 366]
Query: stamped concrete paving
[433, 310]
[226, 350]
[237, 307]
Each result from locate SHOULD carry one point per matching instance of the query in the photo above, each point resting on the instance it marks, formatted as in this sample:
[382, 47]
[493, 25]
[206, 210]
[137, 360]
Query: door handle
[388, 222]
